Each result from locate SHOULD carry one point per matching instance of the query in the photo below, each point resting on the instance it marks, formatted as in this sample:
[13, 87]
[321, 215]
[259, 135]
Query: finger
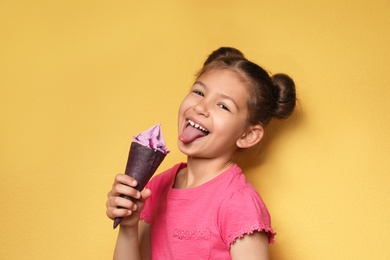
[122, 189]
[145, 194]
[125, 179]
[119, 202]
[118, 212]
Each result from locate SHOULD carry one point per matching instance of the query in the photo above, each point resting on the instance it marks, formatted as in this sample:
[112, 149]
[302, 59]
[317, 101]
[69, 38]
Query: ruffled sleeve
[243, 212]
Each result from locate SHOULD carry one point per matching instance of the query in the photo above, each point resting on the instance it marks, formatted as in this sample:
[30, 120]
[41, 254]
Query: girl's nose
[201, 109]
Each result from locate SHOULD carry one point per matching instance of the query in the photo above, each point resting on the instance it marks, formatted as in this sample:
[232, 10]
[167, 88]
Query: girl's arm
[133, 243]
[253, 246]
[127, 244]
[144, 240]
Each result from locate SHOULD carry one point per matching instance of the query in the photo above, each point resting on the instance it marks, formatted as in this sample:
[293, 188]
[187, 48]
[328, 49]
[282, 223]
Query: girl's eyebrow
[220, 94]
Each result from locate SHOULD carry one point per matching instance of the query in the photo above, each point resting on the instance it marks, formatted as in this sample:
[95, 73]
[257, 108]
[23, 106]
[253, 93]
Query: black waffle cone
[142, 163]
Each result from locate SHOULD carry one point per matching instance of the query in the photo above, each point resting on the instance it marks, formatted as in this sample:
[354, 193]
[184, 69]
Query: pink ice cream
[147, 151]
[153, 139]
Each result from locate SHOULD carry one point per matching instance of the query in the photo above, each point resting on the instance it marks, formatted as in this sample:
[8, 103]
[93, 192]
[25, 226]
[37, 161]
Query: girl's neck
[200, 171]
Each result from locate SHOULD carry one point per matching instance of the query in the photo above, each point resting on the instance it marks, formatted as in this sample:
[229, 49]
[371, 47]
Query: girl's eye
[224, 107]
[197, 92]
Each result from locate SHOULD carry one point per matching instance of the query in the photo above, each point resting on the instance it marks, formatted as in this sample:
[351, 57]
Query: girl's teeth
[197, 126]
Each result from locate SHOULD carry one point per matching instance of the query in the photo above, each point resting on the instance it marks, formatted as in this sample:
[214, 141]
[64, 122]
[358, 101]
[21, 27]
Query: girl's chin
[192, 150]
[186, 148]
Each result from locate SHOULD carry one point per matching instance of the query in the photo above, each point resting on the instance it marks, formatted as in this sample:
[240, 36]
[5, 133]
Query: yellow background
[79, 78]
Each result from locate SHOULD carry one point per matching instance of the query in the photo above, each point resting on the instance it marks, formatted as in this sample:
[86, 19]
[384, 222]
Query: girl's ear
[251, 137]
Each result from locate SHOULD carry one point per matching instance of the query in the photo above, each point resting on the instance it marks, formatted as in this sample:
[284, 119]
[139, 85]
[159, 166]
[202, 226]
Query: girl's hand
[122, 207]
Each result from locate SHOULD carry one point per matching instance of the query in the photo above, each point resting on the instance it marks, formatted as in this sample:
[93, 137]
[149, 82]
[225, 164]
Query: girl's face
[213, 116]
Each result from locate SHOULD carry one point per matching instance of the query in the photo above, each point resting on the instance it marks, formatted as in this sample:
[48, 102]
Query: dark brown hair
[270, 96]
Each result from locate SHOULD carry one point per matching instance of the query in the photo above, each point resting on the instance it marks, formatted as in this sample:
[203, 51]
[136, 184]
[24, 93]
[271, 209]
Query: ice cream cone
[142, 163]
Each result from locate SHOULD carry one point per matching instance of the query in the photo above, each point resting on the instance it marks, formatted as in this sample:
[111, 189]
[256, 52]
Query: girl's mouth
[193, 131]
[197, 126]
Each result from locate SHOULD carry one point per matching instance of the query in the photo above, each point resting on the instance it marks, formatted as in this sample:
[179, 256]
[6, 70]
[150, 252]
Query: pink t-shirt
[202, 222]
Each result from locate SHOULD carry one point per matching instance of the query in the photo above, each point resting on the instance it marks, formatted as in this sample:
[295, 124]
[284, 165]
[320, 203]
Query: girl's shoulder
[243, 211]
[237, 183]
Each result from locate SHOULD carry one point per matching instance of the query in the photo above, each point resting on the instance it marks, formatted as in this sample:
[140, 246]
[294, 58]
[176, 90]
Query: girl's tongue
[190, 134]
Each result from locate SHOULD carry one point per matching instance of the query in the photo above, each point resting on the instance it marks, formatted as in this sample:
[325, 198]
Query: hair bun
[284, 94]
[224, 52]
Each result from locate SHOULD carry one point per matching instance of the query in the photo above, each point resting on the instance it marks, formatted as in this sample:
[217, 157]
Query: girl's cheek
[185, 104]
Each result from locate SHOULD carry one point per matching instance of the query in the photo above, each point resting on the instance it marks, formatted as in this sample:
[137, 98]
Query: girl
[205, 208]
